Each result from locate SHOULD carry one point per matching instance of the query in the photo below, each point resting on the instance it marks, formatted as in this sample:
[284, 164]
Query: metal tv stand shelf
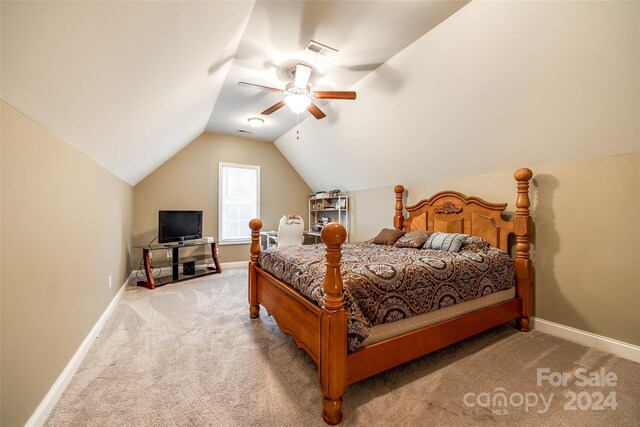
[211, 263]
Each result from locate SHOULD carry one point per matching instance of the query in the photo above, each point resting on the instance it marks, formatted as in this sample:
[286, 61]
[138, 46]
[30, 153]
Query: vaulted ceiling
[366, 34]
[131, 83]
[497, 86]
[127, 83]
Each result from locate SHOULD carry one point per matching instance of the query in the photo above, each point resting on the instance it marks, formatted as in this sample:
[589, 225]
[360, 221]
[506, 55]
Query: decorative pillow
[450, 242]
[415, 239]
[474, 243]
[388, 236]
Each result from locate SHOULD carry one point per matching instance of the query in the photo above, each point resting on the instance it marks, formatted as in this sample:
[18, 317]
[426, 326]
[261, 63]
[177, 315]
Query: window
[238, 201]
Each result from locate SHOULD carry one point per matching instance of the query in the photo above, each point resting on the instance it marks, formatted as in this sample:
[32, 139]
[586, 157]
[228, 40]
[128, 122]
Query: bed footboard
[321, 332]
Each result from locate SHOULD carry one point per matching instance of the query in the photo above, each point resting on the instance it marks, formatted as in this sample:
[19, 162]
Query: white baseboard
[43, 410]
[599, 342]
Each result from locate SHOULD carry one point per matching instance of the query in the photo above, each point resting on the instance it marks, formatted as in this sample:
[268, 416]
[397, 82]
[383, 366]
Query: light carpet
[187, 354]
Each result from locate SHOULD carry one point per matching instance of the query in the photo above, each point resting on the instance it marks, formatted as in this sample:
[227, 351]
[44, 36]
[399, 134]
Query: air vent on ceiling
[245, 131]
[321, 49]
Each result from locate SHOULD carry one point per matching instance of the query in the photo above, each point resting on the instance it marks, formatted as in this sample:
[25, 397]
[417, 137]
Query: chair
[290, 232]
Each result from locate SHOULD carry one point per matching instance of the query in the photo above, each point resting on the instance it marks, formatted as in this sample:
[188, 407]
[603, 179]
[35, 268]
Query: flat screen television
[178, 226]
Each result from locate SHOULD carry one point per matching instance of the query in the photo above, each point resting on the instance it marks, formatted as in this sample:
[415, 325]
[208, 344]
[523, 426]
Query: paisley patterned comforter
[384, 283]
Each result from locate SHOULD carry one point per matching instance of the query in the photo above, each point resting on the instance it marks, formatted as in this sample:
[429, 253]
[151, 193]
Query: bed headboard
[453, 212]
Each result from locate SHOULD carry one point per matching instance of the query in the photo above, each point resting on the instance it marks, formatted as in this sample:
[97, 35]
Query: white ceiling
[366, 33]
[127, 83]
[131, 83]
[497, 86]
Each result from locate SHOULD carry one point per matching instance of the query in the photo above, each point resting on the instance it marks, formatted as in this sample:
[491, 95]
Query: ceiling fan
[298, 94]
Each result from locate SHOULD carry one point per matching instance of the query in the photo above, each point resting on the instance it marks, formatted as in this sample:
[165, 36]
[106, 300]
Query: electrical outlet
[168, 254]
[150, 255]
[110, 282]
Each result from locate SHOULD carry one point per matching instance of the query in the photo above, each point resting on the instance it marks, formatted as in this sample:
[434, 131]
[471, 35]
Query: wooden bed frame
[322, 332]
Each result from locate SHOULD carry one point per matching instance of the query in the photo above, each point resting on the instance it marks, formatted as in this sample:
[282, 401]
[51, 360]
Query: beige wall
[189, 180]
[66, 226]
[585, 245]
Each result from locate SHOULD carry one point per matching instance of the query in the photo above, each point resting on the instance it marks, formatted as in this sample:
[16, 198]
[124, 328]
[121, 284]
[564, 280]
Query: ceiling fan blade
[303, 72]
[317, 113]
[273, 108]
[327, 94]
[267, 88]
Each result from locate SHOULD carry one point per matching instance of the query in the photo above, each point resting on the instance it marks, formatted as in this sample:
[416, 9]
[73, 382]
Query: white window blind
[239, 201]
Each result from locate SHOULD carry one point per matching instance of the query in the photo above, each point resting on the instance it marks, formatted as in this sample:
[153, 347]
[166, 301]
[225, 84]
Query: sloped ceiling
[366, 34]
[494, 85]
[127, 83]
[131, 83]
[499, 85]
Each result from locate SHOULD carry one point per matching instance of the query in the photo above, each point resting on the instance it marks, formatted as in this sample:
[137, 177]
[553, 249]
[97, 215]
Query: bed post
[332, 367]
[398, 218]
[254, 308]
[522, 264]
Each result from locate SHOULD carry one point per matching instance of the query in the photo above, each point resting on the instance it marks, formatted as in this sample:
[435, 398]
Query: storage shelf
[163, 280]
[208, 264]
[325, 198]
[335, 208]
[181, 260]
[170, 246]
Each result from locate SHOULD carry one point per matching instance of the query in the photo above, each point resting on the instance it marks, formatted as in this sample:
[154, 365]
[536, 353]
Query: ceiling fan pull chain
[298, 127]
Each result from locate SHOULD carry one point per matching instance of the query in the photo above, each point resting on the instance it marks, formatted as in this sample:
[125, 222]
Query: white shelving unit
[336, 208]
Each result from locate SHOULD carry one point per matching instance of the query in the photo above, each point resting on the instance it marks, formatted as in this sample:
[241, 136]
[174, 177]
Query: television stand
[209, 263]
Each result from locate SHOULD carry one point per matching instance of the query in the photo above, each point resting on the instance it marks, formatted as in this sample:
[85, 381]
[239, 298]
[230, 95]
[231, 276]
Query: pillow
[450, 242]
[415, 239]
[474, 243]
[388, 236]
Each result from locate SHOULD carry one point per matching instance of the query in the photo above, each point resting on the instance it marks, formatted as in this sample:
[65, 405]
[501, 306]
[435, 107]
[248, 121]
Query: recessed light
[255, 122]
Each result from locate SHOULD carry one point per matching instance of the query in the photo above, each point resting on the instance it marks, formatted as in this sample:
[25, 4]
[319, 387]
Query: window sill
[234, 242]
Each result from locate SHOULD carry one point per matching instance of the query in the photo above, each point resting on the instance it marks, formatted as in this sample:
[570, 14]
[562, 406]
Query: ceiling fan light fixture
[297, 102]
[255, 122]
